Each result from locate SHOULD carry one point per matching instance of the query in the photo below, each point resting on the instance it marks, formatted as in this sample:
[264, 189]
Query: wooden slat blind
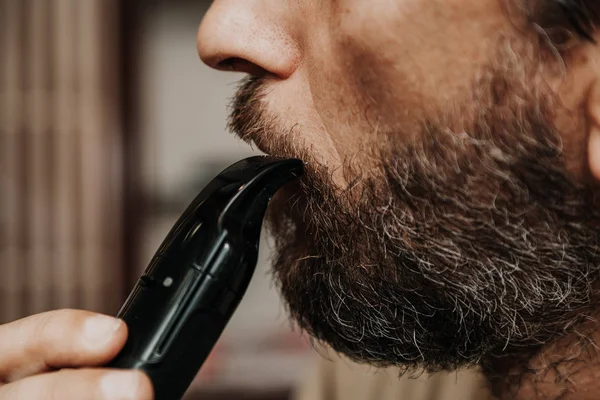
[60, 166]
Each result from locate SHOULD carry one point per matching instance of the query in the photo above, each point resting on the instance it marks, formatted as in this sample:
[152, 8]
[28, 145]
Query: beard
[454, 249]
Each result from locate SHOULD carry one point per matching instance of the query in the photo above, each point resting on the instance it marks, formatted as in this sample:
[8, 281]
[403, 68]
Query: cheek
[356, 72]
[390, 64]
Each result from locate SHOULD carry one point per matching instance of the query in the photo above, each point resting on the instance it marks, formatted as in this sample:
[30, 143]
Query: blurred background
[109, 126]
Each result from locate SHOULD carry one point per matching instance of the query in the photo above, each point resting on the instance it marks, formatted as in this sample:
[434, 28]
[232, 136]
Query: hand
[59, 354]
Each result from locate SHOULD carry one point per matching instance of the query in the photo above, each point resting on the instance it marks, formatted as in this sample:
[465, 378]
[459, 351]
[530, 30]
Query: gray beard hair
[461, 249]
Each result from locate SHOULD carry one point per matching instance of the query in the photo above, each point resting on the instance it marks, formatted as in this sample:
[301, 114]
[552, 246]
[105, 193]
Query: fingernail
[120, 385]
[100, 328]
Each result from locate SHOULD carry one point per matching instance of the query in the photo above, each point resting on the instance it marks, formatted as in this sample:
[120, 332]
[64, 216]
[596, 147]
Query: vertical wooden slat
[51, 157]
[11, 120]
[97, 129]
[77, 247]
[113, 235]
[65, 211]
[91, 149]
[38, 201]
[134, 202]
[7, 199]
[23, 181]
[3, 144]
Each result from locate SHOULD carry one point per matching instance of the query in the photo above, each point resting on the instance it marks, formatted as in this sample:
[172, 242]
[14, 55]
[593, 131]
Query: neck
[566, 369]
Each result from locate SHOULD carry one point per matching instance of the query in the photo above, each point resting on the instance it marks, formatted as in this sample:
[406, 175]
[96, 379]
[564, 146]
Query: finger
[58, 339]
[82, 384]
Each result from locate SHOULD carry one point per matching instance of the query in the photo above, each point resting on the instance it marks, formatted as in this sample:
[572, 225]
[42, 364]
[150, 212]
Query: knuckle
[65, 321]
[42, 325]
[47, 328]
[37, 331]
[3, 331]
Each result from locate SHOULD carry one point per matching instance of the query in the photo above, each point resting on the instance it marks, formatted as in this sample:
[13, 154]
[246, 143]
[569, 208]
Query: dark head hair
[579, 17]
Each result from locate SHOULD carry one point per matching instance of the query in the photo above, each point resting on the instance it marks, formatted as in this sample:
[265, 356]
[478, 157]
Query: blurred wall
[183, 102]
[60, 165]
[182, 115]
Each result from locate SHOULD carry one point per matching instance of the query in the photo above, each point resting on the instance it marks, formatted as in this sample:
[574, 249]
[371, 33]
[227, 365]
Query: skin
[59, 354]
[372, 48]
[334, 75]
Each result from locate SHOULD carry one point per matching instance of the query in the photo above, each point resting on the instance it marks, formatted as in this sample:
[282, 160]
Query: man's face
[446, 216]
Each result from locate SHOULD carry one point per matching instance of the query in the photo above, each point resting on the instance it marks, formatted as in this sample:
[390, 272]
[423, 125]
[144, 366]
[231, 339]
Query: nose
[248, 36]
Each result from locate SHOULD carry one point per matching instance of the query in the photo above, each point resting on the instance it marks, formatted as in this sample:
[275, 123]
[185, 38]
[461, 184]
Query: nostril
[229, 63]
[240, 65]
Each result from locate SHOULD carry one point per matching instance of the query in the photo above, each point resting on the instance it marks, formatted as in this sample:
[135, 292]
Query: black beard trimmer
[181, 304]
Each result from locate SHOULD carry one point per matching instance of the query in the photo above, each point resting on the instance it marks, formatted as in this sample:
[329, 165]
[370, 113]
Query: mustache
[246, 117]
[250, 121]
